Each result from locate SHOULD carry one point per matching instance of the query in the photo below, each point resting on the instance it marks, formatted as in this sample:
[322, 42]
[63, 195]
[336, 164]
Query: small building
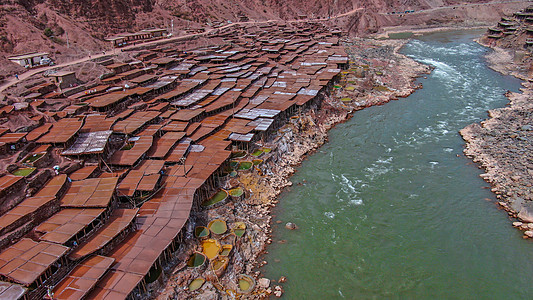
[64, 79]
[117, 41]
[31, 60]
[124, 39]
[156, 32]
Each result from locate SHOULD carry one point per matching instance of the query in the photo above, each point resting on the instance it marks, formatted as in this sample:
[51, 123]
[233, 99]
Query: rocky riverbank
[377, 74]
[503, 144]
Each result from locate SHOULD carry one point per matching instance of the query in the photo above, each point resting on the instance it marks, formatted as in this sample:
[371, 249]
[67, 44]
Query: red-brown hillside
[46, 25]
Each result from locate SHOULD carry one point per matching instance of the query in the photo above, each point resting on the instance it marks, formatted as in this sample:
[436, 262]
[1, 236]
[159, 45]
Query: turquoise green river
[391, 209]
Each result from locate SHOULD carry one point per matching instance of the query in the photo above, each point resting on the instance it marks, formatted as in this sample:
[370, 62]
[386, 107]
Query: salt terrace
[151, 139]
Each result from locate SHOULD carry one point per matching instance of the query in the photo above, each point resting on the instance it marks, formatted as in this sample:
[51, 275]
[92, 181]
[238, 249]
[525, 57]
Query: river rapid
[390, 207]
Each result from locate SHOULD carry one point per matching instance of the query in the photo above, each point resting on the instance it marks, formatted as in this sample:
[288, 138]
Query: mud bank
[377, 74]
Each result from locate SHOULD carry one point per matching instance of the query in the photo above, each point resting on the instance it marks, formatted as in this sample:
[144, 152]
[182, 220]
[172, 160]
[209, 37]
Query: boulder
[290, 226]
[263, 283]
[517, 224]
[526, 213]
[516, 203]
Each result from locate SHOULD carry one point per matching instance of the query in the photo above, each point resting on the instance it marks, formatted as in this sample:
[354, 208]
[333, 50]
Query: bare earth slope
[71, 29]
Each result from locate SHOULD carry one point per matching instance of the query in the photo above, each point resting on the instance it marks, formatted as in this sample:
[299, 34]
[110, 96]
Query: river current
[390, 207]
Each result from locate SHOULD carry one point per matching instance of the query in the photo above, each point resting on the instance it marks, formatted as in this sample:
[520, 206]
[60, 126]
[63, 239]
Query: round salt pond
[219, 265]
[211, 248]
[196, 260]
[239, 228]
[245, 165]
[218, 197]
[196, 284]
[246, 283]
[201, 232]
[218, 226]
[236, 192]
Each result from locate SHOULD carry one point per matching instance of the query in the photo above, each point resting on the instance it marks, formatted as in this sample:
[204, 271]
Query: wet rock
[526, 213]
[263, 283]
[516, 203]
[278, 291]
[282, 279]
[291, 226]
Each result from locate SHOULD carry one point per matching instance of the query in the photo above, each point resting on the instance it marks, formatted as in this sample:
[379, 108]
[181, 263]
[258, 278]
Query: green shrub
[48, 32]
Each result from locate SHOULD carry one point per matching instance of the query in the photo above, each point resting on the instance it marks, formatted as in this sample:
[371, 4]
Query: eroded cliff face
[110, 15]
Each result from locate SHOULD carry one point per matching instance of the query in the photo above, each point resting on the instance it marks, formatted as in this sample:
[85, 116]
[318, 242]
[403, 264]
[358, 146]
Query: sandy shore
[377, 74]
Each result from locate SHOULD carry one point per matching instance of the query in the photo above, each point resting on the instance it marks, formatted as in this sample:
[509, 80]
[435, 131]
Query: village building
[64, 79]
[31, 60]
[124, 39]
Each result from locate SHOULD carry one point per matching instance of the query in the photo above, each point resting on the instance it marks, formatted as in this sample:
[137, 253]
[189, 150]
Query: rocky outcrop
[503, 144]
[108, 14]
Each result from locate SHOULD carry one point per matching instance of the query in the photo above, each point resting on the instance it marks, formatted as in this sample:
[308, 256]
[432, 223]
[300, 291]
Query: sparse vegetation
[48, 32]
